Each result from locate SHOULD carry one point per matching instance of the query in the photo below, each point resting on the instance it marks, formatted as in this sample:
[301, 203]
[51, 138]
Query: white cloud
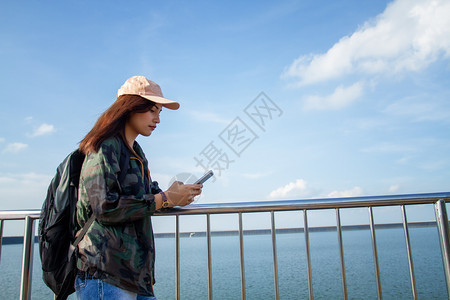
[387, 147]
[418, 110]
[30, 178]
[435, 165]
[354, 192]
[406, 159]
[290, 190]
[209, 117]
[407, 36]
[2, 140]
[43, 130]
[394, 188]
[341, 97]
[15, 147]
[261, 17]
[12, 187]
[256, 175]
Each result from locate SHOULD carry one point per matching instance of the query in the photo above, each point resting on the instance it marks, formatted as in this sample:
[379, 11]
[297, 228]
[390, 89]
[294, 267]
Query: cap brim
[170, 104]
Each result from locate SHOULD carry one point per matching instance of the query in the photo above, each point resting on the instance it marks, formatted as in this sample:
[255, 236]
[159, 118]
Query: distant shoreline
[11, 240]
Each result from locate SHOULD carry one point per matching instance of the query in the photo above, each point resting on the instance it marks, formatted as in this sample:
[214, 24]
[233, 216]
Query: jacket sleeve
[99, 183]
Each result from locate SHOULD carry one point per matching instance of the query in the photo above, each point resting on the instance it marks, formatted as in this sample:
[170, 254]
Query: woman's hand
[180, 194]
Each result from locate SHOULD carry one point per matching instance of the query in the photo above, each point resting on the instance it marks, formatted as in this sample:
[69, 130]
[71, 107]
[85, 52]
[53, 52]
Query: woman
[116, 256]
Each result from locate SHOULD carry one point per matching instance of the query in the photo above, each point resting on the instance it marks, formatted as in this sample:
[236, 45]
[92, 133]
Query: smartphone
[205, 177]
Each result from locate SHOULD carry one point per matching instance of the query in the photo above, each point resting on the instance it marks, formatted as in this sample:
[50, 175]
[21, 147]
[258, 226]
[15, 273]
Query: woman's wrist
[161, 201]
[158, 201]
[165, 200]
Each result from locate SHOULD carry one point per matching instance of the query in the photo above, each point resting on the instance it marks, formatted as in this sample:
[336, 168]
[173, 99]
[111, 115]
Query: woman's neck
[130, 136]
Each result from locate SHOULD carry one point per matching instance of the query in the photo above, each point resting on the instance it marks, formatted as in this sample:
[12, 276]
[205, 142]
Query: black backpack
[58, 225]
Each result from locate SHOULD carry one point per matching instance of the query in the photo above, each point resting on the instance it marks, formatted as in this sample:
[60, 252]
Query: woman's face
[145, 123]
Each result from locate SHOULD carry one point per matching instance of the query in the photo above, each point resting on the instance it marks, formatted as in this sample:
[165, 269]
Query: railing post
[1, 237]
[341, 252]
[375, 253]
[408, 249]
[208, 241]
[241, 247]
[442, 224]
[27, 260]
[177, 257]
[308, 255]
[274, 250]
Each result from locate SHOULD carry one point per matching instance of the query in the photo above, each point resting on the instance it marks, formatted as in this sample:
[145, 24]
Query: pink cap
[141, 86]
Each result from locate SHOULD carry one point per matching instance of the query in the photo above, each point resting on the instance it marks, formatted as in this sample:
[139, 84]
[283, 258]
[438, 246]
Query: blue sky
[359, 92]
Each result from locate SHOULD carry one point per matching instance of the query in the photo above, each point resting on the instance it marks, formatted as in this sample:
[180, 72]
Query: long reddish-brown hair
[112, 121]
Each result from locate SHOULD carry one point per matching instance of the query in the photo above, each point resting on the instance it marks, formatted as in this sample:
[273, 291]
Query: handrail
[438, 199]
[324, 203]
[280, 205]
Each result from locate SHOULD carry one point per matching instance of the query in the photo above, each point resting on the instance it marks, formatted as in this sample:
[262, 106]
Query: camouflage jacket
[118, 247]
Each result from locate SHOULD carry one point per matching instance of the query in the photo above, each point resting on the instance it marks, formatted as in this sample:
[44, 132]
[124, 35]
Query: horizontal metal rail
[286, 205]
[438, 199]
[265, 206]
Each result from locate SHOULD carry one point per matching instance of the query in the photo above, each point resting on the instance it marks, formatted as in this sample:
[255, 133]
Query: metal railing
[438, 199]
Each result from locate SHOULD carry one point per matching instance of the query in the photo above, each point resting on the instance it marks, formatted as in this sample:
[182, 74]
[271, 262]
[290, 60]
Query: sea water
[292, 266]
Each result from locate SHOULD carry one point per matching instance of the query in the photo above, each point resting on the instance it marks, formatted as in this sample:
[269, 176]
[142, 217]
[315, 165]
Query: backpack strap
[81, 235]
[84, 230]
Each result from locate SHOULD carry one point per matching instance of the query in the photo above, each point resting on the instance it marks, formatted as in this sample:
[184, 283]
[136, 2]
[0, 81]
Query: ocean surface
[292, 271]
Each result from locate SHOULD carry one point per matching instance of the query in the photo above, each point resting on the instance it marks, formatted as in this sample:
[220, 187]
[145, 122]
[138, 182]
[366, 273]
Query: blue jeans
[93, 289]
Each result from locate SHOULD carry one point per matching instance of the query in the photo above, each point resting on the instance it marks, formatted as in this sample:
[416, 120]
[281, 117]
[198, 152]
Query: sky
[283, 100]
